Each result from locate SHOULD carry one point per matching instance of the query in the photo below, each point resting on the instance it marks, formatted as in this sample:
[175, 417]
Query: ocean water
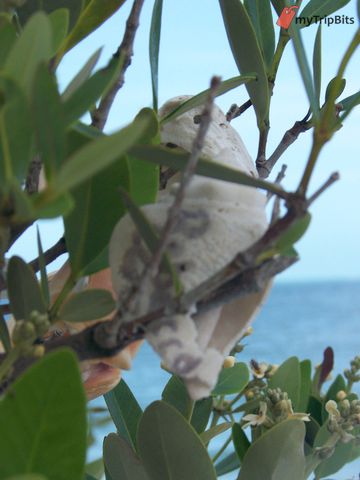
[299, 319]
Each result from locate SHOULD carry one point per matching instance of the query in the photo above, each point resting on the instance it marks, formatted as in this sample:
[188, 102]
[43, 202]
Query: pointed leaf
[16, 137]
[277, 454]
[247, 54]
[337, 385]
[279, 5]
[100, 153]
[49, 121]
[228, 464]
[305, 385]
[87, 305]
[170, 448]
[125, 412]
[200, 98]
[303, 64]
[201, 414]
[7, 40]
[31, 6]
[232, 380]
[42, 409]
[293, 234]
[95, 13]
[350, 102]
[287, 378]
[240, 440]
[23, 289]
[317, 64]
[84, 98]
[85, 240]
[154, 45]
[43, 276]
[32, 47]
[260, 14]
[177, 159]
[175, 394]
[214, 431]
[121, 461]
[59, 25]
[322, 8]
[83, 74]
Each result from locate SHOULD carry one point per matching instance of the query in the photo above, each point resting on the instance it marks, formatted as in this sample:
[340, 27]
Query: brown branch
[279, 178]
[59, 248]
[124, 54]
[235, 111]
[334, 177]
[264, 166]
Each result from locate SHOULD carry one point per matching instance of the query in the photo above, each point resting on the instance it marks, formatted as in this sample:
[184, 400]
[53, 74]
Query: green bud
[23, 332]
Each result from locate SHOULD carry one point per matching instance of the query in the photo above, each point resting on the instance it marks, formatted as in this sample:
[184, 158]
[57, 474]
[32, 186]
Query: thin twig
[265, 167]
[235, 111]
[279, 178]
[124, 54]
[334, 177]
[59, 248]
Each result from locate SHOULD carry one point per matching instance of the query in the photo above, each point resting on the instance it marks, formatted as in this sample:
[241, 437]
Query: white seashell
[218, 219]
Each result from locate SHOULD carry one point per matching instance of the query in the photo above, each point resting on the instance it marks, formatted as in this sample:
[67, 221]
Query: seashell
[217, 220]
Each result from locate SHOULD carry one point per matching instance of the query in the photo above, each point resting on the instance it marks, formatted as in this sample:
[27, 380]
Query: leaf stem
[222, 449]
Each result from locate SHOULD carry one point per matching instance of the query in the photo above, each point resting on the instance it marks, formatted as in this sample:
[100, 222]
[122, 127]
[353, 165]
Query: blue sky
[193, 48]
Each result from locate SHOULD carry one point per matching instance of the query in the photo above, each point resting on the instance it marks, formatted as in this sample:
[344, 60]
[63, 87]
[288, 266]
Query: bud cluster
[353, 374]
[343, 418]
[27, 331]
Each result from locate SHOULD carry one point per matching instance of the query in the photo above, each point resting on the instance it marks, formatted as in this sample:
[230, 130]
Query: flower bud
[341, 395]
[229, 361]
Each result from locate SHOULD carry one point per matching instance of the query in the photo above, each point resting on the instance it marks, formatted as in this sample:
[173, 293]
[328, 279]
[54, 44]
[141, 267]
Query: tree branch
[59, 248]
[124, 54]
[235, 111]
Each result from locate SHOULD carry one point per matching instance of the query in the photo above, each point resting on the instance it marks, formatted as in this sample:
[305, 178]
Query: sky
[193, 48]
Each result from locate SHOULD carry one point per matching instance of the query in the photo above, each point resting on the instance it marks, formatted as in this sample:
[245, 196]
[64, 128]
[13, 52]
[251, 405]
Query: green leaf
[120, 460]
[317, 64]
[315, 409]
[43, 418]
[59, 25]
[177, 159]
[277, 454]
[287, 378]
[337, 385]
[31, 6]
[16, 136]
[200, 98]
[144, 180]
[7, 40]
[87, 305]
[294, 233]
[125, 412]
[279, 5]
[27, 476]
[335, 84]
[95, 13]
[232, 380]
[344, 453]
[33, 46]
[4, 334]
[151, 238]
[154, 45]
[83, 74]
[52, 207]
[23, 289]
[240, 440]
[170, 448]
[322, 8]
[228, 464]
[84, 98]
[49, 122]
[260, 14]
[247, 55]
[201, 414]
[43, 276]
[350, 102]
[214, 431]
[305, 385]
[85, 239]
[100, 153]
[175, 394]
[305, 72]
